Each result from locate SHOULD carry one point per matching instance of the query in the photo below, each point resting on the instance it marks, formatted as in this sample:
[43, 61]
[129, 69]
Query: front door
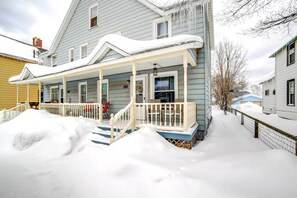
[141, 95]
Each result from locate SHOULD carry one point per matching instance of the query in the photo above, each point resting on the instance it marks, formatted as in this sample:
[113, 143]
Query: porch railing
[13, 112]
[166, 116]
[86, 110]
[122, 121]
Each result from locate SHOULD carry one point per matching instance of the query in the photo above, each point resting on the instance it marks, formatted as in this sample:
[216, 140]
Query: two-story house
[14, 54]
[144, 61]
[285, 80]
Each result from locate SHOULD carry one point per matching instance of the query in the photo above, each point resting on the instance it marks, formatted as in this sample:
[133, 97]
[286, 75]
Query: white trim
[164, 74]
[161, 20]
[52, 57]
[69, 54]
[89, 21]
[143, 77]
[51, 88]
[81, 46]
[106, 81]
[79, 91]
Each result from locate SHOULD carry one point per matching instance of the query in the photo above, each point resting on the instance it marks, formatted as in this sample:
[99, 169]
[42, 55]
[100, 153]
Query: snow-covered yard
[43, 155]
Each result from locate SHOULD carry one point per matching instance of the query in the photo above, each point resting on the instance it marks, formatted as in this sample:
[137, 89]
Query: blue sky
[43, 19]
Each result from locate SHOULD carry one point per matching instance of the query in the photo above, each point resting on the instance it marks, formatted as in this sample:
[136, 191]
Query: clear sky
[42, 18]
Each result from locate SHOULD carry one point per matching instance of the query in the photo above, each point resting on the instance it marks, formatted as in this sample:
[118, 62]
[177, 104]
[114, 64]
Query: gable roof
[122, 45]
[161, 7]
[247, 97]
[16, 49]
[283, 47]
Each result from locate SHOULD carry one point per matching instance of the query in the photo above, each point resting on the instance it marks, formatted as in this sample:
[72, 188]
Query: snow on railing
[122, 121]
[9, 114]
[270, 135]
[86, 110]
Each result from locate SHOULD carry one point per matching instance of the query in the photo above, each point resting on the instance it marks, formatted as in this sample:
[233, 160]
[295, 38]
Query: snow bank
[248, 107]
[228, 163]
[40, 131]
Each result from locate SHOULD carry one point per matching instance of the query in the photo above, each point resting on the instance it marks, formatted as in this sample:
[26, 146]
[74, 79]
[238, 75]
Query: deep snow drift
[43, 155]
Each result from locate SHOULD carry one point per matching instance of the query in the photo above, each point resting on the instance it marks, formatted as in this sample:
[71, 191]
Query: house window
[105, 90]
[54, 93]
[162, 28]
[273, 92]
[291, 54]
[291, 92]
[54, 60]
[93, 16]
[164, 86]
[84, 51]
[82, 92]
[267, 92]
[71, 55]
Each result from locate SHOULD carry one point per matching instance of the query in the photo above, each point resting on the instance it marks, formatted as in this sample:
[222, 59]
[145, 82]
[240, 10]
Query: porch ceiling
[123, 69]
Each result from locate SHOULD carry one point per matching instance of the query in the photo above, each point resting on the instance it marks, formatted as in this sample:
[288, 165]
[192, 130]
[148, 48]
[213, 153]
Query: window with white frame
[54, 60]
[82, 92]
[291, 92]
[164, 86]
[54, 93]
[162, 28]
[71, 55]
[93, 16]
[61, 94]
[291, 54]
[267, 92]
[83, 50]
[105, 90]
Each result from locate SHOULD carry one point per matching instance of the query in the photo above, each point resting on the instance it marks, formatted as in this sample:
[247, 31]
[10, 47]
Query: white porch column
[185, 64]
[17, 95]
[39, 97]
[133, 96]
[100, 96]
[64, 95]
[28, 96]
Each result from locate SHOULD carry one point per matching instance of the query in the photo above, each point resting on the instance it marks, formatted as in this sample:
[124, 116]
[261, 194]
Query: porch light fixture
[155, 69]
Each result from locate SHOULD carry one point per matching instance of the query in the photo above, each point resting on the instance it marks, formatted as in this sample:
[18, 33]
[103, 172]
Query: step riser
[98, 142]
[108, 129]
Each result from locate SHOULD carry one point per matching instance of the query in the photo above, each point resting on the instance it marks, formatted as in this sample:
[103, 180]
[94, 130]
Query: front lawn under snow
[43, 155]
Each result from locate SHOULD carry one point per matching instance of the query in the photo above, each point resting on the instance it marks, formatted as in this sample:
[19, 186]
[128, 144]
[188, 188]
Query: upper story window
[267, 92]
[162, 28]
[71, 55]
[291, 92]
[83, 50]
[54, 60]
[93, 16]
[291, 54]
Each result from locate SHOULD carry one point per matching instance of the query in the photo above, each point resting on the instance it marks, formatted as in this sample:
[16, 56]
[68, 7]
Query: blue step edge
[104, 135]
[107, 128]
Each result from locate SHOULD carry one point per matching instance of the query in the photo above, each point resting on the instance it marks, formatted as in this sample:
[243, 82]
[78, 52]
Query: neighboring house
[151, 56]
[247, 98]
[268, 94]
[14, 55]
[285, 80]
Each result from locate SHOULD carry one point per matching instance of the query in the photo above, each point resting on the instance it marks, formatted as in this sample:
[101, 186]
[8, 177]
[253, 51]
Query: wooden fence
[270, 135]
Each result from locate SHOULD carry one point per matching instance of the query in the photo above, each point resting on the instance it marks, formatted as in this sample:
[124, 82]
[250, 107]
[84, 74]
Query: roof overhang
[283, 47]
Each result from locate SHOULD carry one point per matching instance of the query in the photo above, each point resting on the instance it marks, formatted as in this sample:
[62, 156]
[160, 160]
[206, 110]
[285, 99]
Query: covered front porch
[125, 92]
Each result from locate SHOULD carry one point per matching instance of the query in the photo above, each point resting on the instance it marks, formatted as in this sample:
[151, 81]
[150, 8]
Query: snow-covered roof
[123, 45]
[17, 49]
[270, 76]
[247, 96]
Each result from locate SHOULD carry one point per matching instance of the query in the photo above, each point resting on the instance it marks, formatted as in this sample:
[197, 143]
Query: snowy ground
[42, 155]
[255, 111]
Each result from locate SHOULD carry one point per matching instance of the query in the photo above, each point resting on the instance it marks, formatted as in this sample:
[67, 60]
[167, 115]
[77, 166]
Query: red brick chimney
[37, 42]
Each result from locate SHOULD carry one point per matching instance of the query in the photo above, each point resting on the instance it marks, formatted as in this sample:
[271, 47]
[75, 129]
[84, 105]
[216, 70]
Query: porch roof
[130, 50]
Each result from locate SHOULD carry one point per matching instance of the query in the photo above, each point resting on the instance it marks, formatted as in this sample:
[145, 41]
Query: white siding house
[268, 94]
[285, 80]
